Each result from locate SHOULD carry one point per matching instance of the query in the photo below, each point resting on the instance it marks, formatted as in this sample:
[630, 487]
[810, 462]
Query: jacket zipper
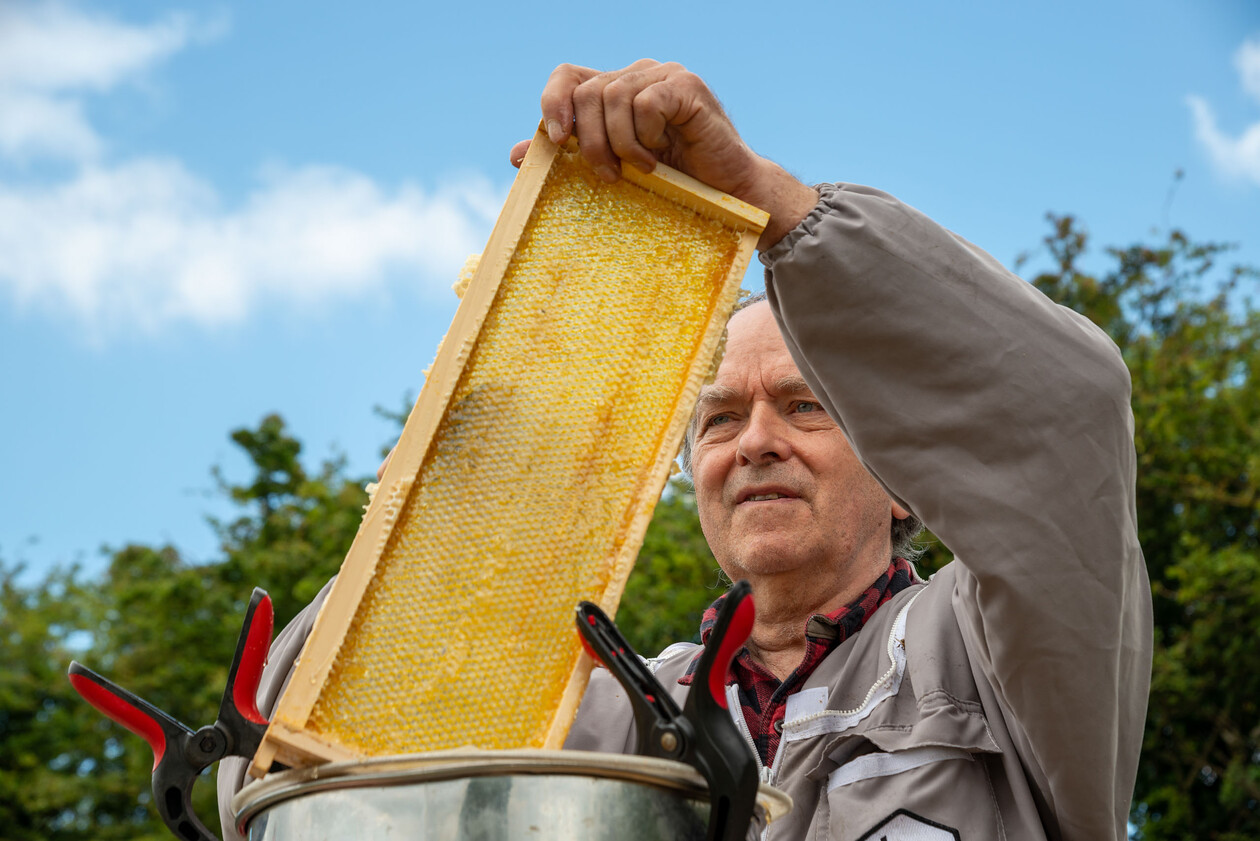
[895, 640]
[737, 715]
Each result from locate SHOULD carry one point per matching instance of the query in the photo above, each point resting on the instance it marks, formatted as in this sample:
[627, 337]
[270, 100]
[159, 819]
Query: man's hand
[651, 112]
[380, 471]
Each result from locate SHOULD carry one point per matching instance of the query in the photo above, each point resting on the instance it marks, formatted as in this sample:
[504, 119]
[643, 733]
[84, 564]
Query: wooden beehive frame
[288, 740]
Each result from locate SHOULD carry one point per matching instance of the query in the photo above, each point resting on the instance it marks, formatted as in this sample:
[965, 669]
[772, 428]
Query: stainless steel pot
[472, 795]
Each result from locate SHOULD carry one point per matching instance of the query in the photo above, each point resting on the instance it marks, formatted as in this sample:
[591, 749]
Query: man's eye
[716, 420]
[808, 406]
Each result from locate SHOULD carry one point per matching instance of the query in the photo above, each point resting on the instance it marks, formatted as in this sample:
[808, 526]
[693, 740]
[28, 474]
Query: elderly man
[895, 368]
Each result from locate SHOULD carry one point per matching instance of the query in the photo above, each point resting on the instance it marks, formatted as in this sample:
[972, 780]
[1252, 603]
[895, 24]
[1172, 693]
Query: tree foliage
[675, 577]
[47, 756]
[162, 628]
[294, 528]
[165, 628]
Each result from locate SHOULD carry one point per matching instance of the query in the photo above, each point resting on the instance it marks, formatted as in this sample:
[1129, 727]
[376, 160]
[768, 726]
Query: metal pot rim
[436, 766]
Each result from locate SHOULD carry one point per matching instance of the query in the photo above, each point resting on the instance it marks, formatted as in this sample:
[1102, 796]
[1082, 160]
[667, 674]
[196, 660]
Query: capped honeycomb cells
[533, 493]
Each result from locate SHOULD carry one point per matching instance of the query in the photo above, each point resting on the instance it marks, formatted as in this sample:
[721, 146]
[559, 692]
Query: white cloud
[1247, 60]
[145, 243]
[37, 126]
[1235, 157]
[49, 46]
[51, 54]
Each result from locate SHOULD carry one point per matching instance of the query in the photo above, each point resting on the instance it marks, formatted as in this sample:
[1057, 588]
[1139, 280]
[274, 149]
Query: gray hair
[905, 533]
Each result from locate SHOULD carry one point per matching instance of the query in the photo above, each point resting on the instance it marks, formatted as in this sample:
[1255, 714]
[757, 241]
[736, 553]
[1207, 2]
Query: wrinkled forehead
[754, 319]
[754, 343]
[755, 352]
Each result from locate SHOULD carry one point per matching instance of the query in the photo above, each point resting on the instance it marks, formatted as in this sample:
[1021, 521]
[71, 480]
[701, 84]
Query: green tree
[295, 527]
[675, 577]
[164, 629]
[46, 774]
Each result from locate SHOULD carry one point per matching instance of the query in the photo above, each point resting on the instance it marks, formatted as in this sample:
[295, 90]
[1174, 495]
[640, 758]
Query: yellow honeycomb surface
[527, 498]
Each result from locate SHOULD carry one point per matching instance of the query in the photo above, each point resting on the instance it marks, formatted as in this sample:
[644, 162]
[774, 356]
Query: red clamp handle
[136, 714]
[251, 657]
[719, 751]
[737, 633]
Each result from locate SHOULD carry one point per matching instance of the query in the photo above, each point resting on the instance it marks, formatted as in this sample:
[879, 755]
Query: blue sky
[212, 213]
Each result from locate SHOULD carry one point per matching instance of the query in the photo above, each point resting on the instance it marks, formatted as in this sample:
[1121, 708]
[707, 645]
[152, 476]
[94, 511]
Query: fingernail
[643, 167]
[607, 173]
[555, 131]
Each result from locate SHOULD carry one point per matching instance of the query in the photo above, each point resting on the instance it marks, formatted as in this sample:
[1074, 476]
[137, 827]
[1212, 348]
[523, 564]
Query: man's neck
[783, 611]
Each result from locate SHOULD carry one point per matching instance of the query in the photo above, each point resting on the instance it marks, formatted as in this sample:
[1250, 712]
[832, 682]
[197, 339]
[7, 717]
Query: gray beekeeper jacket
[1005, 698]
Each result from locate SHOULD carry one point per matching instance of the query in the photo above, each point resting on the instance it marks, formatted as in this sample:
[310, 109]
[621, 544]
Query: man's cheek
[711, 519]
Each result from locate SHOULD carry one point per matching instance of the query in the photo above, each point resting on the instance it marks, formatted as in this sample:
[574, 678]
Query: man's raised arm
[1003, 421]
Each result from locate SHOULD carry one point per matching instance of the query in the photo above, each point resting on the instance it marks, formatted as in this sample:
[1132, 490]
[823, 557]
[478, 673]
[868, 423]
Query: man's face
[778, 487]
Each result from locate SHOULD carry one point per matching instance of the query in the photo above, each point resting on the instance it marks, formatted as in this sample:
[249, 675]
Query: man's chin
[771, 554]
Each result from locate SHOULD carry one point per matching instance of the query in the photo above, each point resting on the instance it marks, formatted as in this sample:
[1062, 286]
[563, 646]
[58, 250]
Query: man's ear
[898, 512]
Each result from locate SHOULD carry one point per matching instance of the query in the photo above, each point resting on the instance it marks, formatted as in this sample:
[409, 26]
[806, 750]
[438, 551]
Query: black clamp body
[179, 753]
[701, 734]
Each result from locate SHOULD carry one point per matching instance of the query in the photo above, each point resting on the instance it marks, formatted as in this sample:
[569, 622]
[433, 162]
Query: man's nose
[764, 438]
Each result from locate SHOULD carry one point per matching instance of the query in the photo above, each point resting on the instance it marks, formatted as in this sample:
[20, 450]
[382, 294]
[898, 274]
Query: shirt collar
[830, 629]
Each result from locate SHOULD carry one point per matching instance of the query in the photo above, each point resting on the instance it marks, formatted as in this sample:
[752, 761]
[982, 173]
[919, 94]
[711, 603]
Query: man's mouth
[766, 495]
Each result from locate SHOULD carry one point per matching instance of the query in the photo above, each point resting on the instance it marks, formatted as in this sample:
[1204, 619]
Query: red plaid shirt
[762, 695]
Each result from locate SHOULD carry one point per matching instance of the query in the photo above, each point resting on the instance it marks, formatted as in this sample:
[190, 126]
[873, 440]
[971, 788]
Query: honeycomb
[532, 492]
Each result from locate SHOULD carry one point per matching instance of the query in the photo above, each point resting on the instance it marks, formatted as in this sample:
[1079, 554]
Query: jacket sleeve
[1003, 421]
